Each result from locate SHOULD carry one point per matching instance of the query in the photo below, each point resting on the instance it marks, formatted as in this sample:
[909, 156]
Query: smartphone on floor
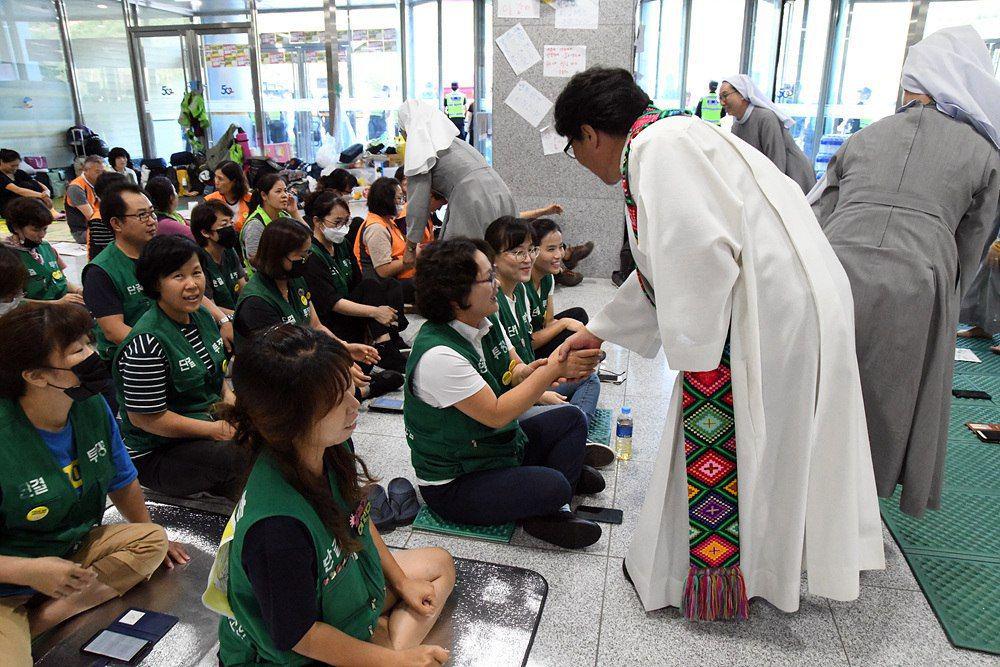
[383, 404]
[600, 514]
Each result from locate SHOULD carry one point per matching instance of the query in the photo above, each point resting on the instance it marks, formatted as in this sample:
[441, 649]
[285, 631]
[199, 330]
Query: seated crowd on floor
[227, 354]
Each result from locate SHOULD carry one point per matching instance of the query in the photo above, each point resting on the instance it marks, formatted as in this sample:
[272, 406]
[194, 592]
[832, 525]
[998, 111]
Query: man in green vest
[28, 220]
[710, 107]
[455, 106]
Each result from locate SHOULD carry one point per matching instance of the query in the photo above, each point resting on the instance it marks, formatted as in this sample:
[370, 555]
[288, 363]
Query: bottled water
[623, 434]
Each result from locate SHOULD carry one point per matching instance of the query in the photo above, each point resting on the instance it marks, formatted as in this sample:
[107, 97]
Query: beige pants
[122, 555]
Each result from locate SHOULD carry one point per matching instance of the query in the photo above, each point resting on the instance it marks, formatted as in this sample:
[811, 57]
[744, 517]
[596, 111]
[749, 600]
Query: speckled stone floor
[592, 615]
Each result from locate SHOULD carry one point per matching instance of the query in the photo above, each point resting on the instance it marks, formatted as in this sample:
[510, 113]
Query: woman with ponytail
[309, 577]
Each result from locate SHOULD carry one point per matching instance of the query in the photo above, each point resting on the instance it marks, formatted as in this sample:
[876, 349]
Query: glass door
[164, 72]
[225, 68]
[764, 45]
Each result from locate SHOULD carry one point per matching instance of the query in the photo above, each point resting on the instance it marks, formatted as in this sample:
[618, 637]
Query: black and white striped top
[143, 366]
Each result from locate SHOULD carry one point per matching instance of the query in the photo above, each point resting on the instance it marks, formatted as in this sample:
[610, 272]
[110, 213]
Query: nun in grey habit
[908, 205]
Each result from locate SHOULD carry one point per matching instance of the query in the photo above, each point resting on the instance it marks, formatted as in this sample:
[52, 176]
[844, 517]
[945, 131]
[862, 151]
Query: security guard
[455, 106]
[710, 107]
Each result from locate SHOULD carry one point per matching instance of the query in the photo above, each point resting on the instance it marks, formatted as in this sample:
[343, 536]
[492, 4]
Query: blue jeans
[583, 394]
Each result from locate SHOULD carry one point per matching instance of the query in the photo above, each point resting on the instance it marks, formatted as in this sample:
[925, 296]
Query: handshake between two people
[576, 358]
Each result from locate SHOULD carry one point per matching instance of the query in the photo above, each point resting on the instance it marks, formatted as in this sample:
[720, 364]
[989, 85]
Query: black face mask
[94, 375]
[298, 269]
[228, 238]
[29, 244]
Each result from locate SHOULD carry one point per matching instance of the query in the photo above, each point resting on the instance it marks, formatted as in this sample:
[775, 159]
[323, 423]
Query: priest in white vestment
[732, 254]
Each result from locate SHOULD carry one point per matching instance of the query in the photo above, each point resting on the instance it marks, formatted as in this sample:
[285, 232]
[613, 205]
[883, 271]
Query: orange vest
[428, 230]
[244, 207]
[398, 244]
[92, 199]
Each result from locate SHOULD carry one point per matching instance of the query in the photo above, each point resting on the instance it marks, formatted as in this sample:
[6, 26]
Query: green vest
[225, 279]
[517, 323]
[711, 108]
[444, 442]
[192, 388]
[41, 513]
[539, 300]
[121, 268]
[46, 281]
[350, 589]
[293, 310]
[260, 214]
[454, 104]
[340, 264]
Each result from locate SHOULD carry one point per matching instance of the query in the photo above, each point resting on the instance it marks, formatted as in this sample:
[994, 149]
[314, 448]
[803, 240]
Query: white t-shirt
[443, 377]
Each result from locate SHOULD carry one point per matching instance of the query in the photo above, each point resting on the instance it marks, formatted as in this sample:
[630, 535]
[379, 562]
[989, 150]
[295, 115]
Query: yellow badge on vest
[57, 275]
[38, 513]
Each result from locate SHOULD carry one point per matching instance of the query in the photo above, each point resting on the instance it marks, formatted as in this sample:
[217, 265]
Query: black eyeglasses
[569, 149]
[491, 277]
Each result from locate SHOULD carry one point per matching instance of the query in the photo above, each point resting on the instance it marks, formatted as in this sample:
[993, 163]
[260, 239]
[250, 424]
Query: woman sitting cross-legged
[169, 376]
[355, 308]
[549, 330]
[308, 577]
[278, 293]
[475, 463]
[61, 458]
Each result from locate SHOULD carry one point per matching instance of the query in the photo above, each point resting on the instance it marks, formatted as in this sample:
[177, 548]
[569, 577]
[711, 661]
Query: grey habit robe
[761, 128]
[909, 202]
[475, 192]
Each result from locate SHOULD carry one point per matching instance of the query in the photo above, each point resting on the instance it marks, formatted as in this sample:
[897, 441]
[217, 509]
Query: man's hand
[581, 340]
[175, 554]
[57, 577]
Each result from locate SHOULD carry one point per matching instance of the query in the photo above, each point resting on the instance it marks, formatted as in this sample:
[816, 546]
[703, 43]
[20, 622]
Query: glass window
[458, 46]
[373, 71]
[767, 20]
[200, 12]
[227, 84]
[800, 70]
[37, 105]
[293, 80]
[422, 47]
[104, 71]
[163, 69]
[983, 15]
[646, 55]
[671, 55]
[871, 45]
[716, 41]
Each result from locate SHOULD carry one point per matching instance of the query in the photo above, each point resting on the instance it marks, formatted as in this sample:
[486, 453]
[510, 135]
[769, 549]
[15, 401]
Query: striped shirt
[144, 370]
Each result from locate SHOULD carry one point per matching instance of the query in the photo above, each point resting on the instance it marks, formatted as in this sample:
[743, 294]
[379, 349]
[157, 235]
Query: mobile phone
[601, 514]
[988, 436]
[611, 376]
[970, 393]
[383, 404]
[115, 645]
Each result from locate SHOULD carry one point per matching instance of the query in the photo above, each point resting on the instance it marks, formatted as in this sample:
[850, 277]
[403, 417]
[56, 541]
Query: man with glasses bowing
[764, 466]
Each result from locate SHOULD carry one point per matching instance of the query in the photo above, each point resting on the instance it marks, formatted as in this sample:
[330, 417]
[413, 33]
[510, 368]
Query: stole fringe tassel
[715, 594]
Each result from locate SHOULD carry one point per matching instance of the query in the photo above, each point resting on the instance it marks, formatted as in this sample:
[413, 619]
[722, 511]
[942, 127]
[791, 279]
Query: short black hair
[234, 173]
[606, 98]
[712, 85]
[340, 180]
[9, 155]
[159, 189]
[107, 181]
[118, 152]
[13, 275]
[382, 197]
[319, 204]
[278, 240]
[113, 204]
[162, 256]
[203, 217]
[542, 227]
[27, 212]
[263, 185]
[507, 232]
[400, 173]
[445, 274]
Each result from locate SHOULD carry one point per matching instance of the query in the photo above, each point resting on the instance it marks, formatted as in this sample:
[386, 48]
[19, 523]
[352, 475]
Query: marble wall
[594, 211]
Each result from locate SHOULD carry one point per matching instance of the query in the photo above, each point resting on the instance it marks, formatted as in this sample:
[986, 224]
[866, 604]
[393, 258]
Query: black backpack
[76, 139]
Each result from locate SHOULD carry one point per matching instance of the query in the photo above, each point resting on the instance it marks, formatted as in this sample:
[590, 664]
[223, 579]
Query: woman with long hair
[309, 577]
[232, 189]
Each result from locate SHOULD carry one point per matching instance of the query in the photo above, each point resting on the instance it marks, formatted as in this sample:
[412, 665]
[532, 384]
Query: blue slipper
[381, 512]
[403, 501]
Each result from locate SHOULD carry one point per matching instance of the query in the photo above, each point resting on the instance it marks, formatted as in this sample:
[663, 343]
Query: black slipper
[403, 501]
[381, 511]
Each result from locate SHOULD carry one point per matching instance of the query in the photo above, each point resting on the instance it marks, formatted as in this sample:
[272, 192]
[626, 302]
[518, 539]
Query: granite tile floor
[592, 615]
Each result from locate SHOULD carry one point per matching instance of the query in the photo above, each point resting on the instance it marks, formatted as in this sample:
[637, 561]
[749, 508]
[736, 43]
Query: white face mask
[335, 235]
[7, 306]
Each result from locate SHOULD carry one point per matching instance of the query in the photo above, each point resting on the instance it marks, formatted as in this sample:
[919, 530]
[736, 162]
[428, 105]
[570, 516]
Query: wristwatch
[225, 319]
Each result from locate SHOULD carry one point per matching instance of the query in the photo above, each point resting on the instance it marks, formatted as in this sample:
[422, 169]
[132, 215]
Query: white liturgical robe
[725, 237]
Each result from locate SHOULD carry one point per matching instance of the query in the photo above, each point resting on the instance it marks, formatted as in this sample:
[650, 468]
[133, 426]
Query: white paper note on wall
[517, 48]
[552, 141]
[518, 9]
[530, 104]
[561, 60]
[577, 14]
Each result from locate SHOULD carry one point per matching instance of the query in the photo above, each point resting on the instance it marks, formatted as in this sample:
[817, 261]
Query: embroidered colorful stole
[714, 589]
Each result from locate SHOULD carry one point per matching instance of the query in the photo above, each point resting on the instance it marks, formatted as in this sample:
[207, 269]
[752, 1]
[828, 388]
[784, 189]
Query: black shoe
[590, 481]
[599, 455]
[381, 511]
[389, 357]
[563, 529]
[617, 278]
[384, 382]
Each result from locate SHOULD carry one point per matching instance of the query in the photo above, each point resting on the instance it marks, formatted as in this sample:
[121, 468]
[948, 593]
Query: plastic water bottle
[623, 434]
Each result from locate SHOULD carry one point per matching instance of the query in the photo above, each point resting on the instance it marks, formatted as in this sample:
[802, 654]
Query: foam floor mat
[601, 426]
[430, 522]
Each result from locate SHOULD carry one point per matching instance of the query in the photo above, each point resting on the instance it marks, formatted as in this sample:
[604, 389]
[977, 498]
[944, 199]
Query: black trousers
[188, 467]
[578, 314]
[370, 292]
